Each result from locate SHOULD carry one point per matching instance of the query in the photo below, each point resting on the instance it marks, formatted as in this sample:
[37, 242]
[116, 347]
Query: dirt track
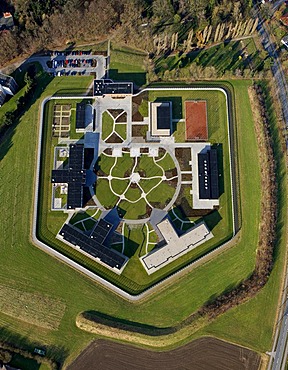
[201, 354]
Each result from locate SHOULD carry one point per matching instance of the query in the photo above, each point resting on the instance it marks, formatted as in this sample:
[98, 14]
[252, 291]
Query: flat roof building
[80, 116]
[74, 176]
[107, 87]
[175, 245]
[93, 244]
[196, 120]
[205, 176]
[161, 118]
[208, 175]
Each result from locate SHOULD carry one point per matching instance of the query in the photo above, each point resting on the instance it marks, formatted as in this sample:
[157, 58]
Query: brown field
[201, 354]
[196, 120]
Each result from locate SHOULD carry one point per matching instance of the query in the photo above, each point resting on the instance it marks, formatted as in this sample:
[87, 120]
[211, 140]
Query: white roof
[176, 245]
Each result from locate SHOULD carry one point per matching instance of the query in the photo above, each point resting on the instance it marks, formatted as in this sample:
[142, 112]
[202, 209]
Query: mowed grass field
[127, 65]
[26, 268]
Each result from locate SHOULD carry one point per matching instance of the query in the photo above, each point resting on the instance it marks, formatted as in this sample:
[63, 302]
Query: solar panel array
[208, 175]
[112, 88]
[214, 176]
[163, 117]
[101, 231]
[74, 176]
[76, 156]
[80, 115]
[93, 246]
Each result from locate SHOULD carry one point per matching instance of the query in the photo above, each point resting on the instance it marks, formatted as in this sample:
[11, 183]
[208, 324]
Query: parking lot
[73, 63]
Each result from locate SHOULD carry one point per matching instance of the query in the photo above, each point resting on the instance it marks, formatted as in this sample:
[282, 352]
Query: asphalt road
[280, 346]
[277, 70]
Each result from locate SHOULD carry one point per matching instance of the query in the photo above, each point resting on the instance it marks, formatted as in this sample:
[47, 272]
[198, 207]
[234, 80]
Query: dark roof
[76, 156]
[101, 231]
[164, 116]
[94, 246]
[208, 175]
[9, 82]
[74, 195]
[80, 115]
[74, 176]
[112, 88]
[2, 97]
[214, 176]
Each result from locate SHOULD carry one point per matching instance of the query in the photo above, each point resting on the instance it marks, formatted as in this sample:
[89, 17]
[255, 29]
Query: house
[8, 86]
[284, 19]
[6, 21]
[284, 41]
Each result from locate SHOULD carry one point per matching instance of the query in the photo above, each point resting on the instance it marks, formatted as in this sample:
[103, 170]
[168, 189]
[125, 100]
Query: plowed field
[201, 354]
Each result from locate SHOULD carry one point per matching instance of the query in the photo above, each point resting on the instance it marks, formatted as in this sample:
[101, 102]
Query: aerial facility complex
[107, 134]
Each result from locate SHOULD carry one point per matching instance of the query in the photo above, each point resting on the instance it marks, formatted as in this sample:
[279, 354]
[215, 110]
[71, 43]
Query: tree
[28, 81]
[5, 356]
[8, 118]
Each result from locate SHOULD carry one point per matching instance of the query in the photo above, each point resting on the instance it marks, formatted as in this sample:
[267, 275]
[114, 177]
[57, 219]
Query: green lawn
[119, 186]
[143, 108]
[127, 65]
[132, 211]
[86, 224]
[105, 163]
[123, 166]
[78, 217]
[162, 194]
[121, 129]
[148, 184]
[107, 125]
[104, 194]
[147, 165]
[32, 270]
[166, 162]
[133, 194]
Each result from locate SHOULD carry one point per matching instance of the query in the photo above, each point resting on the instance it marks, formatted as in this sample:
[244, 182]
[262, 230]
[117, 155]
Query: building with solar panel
[208, 175]
[80, 117]
[160, 118]
[74, 176]
[93, 244]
